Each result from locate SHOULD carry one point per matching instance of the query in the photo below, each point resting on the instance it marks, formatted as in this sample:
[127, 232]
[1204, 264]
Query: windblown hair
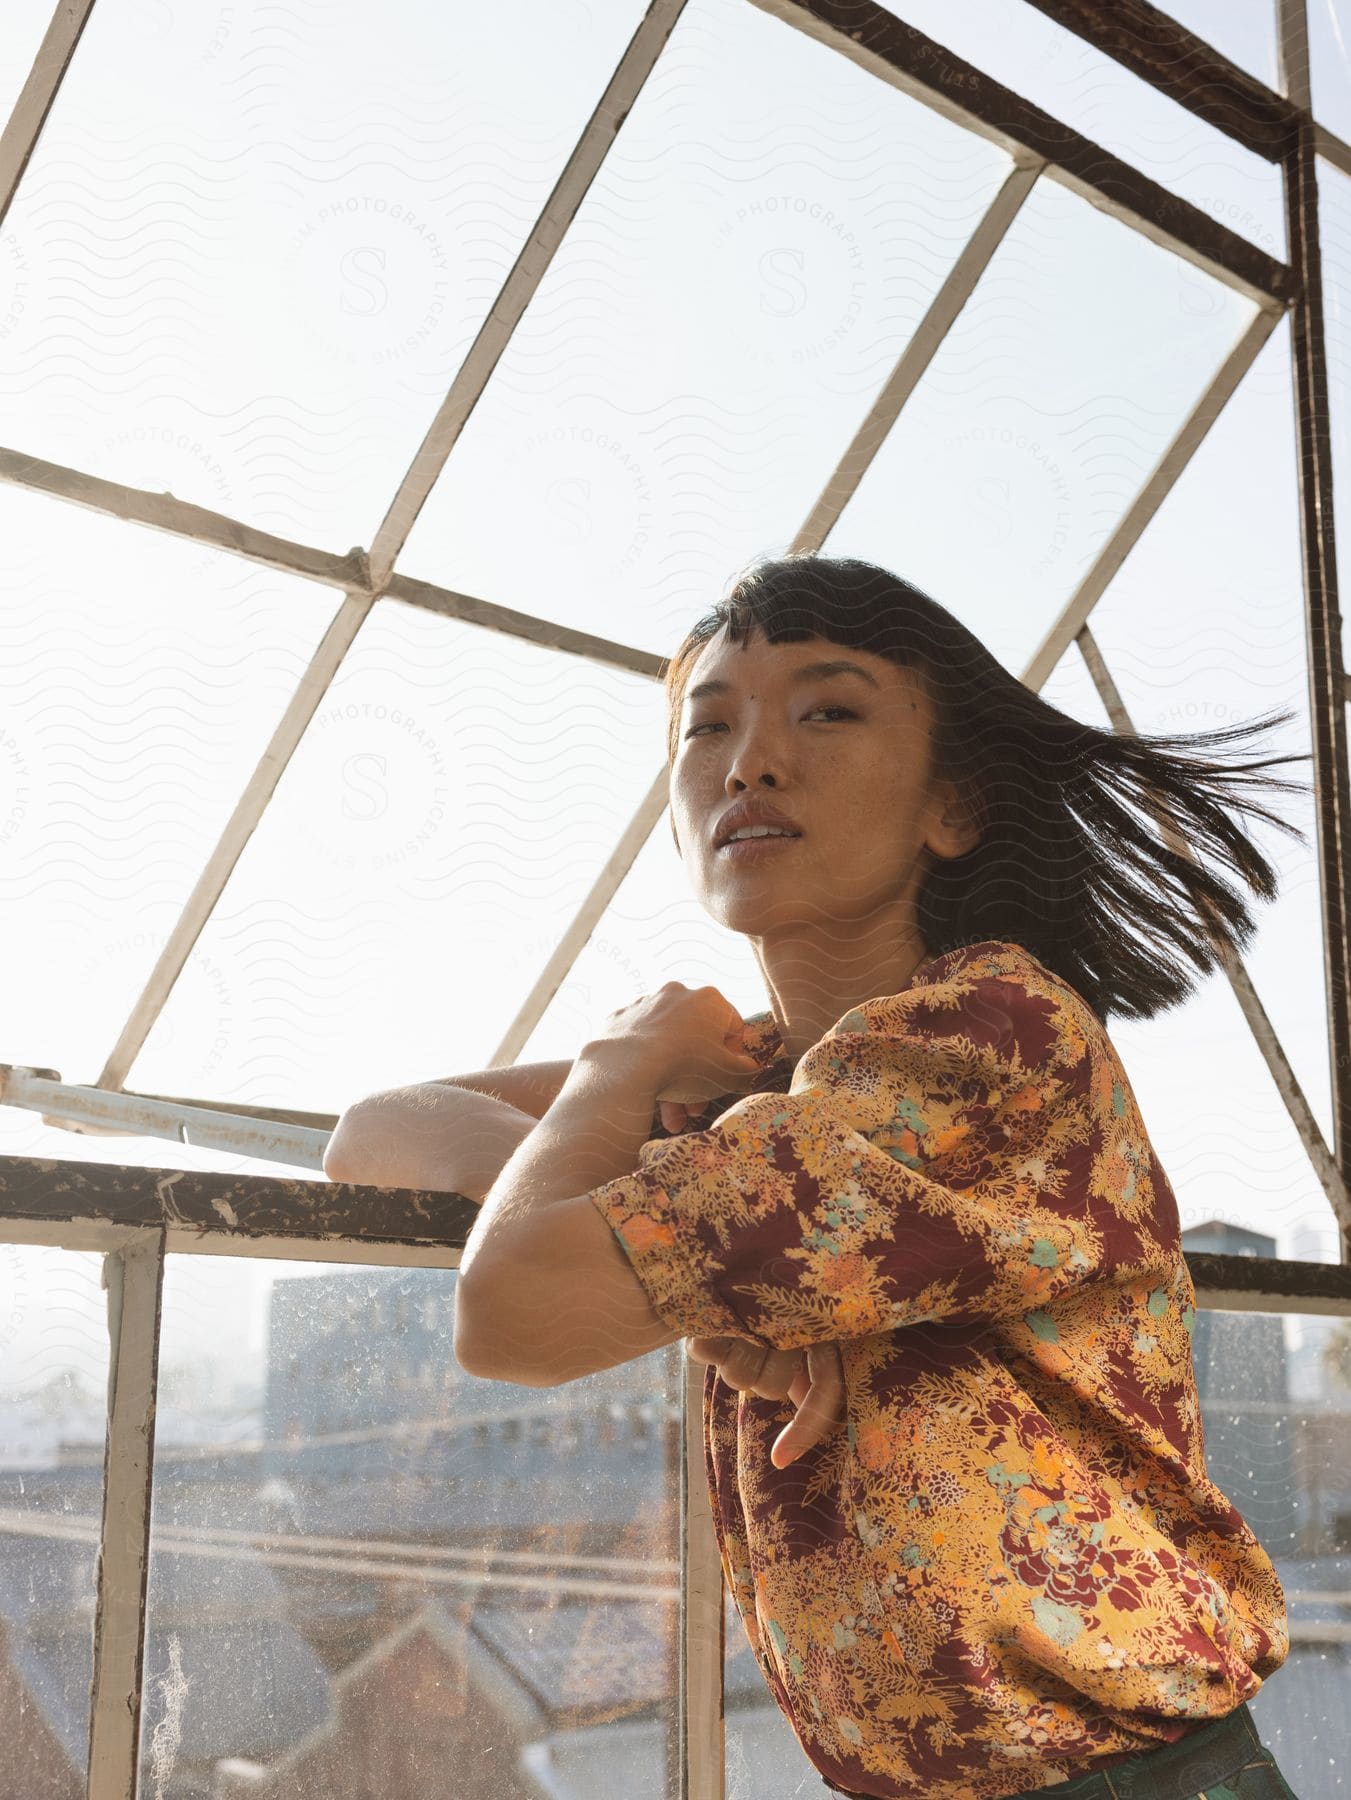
[1065, 866]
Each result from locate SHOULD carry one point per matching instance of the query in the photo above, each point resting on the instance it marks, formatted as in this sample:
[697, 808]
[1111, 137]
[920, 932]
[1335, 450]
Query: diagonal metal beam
[910, 367]
[874, 38]
[1184, 67]
[1287, 1083]
[943, 309]
[614, 106]
[239, 828]
[584, 922]
[549, 634]
[634, 67]
[180, 518]
[350, 572]
[1066, 627]
[24, 125]
[1071, 626]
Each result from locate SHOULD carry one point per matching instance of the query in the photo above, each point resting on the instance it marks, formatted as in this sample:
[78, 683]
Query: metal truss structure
[136, 1216]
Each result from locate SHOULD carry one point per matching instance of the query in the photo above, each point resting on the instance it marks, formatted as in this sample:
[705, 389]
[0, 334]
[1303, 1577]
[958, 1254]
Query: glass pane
[1330, 64]
[750, 263]
[259, 251]
[142, 678]
[1047, 407]
[53, 1426]
[1204, 627]
[450, 806]
[1245, 34]
[1049, 65]
[1276, 1406]
[369, 1568]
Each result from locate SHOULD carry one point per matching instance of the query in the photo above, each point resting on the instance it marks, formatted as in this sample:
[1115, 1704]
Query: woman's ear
[957, 832]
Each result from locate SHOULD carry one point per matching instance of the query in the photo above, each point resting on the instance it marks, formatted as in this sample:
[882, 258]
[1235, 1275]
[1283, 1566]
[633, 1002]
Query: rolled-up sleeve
[928, 1165]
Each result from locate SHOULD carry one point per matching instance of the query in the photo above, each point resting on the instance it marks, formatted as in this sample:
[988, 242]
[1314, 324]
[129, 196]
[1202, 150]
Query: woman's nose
[757, 754]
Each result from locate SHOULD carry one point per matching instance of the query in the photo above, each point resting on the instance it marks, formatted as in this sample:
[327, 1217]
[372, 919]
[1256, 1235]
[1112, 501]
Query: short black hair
[1074, 861]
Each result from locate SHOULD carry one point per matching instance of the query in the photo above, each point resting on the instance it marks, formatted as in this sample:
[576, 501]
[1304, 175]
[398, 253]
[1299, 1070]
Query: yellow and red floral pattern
[1011, 1566]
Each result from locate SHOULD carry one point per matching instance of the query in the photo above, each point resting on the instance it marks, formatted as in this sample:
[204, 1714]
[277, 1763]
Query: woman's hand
[813, 1379]
[689, 1040]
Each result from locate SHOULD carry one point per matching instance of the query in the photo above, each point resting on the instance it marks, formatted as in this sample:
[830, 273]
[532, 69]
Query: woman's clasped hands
[691, 1043]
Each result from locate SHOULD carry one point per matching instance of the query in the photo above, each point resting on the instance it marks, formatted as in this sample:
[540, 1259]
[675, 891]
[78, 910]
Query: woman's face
[849, 754]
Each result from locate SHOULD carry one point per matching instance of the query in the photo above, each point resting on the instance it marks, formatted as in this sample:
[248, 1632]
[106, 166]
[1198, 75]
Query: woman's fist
[689, 1041]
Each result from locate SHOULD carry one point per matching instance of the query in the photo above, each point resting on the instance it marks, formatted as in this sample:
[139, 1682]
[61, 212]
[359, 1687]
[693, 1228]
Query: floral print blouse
[1011, 1567]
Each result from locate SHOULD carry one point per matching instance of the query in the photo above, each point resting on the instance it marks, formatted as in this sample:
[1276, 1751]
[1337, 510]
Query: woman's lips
[748, 849]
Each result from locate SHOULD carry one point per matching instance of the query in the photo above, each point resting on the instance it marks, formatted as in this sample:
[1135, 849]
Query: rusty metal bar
[134, 1278]
[1323, 622]
[215, 1213]
[282, 1115]
[878, 41]
[383, 1552]
[235, 1210]
[1269, 1284]
[1184, 67]
[352, 1558]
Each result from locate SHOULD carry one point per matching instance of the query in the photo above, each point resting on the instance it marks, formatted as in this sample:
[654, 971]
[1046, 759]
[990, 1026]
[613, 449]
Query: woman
[1009, 1574]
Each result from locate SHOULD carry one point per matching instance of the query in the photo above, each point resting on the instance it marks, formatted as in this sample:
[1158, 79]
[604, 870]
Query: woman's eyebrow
[808, 672]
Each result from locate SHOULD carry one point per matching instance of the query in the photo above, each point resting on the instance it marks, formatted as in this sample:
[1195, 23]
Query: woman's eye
[843, 711]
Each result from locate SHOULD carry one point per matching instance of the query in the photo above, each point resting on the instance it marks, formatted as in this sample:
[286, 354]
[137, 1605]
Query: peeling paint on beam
[237, 1208]
[1268, 1284]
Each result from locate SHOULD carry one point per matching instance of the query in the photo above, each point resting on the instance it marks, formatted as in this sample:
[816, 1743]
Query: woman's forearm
[592, 1133]
[533, 1087]
[450, 1140]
